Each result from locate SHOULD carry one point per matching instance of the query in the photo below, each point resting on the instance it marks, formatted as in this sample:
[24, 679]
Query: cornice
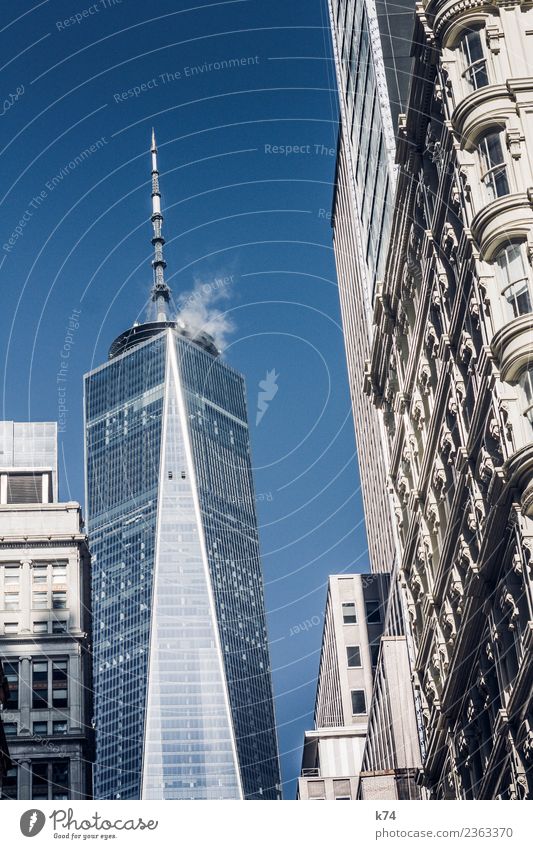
[442, 14]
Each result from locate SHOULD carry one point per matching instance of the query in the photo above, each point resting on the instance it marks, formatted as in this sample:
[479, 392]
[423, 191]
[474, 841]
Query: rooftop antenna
[160, 291]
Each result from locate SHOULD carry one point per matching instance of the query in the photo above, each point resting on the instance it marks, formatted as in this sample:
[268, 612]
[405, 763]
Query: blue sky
[247, 156]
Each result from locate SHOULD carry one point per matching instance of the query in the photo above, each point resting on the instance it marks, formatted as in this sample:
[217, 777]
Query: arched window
[474, 62]
[493, 165]
[513, 278]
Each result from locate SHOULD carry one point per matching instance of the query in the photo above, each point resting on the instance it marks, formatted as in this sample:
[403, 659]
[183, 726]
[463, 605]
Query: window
[40, 684]
[59, 573]
[40, 627]
[39, 780]
[354, 656]
[59, 627]
[11, 601]
[10, 784]
[11, 672]
[10, 729]
[513, 279]
[11, 575]
[358, 702]
[60, 780]
[40, 729]
[349, 613]
[374, 654]
[493, 167]
[59, 600]
[50, 780]
[60, 683]
[40, 600]
[474, 62]
[373, 612]
[40, 573]
[11, 627]
[60, 727]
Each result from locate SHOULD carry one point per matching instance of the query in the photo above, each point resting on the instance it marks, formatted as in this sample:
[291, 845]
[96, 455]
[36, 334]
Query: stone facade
[44, 626]
[451, 372]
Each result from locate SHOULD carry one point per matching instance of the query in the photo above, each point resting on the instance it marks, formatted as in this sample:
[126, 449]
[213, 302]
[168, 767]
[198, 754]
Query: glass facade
[365, 133]
[183, 697]
[373, 68]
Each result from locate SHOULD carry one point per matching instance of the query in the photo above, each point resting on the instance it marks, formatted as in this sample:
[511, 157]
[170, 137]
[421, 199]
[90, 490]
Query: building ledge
[479, 109]
[501, 219]
[518, 470]
[512, 346]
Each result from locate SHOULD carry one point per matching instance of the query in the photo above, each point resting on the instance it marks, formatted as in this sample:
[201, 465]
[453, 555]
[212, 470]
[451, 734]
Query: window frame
[48, 775]
[12, 670]
[352, 604]
[58, 674]
[57, 597]
[506, 284]
[13, 787]
[34, 691]
[377, 609]
[468, 74]
[12, 600]
[11, 571]
[354, 665]
[365, 711]
[489, 170]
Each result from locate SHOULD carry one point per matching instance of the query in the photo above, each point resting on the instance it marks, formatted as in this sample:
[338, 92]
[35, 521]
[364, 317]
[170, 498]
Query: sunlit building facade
[333, 750]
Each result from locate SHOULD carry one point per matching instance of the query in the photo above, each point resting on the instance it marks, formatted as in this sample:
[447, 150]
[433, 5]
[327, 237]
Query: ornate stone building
[452, 372]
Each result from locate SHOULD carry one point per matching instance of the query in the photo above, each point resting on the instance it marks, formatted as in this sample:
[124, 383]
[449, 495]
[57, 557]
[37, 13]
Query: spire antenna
[160, 290]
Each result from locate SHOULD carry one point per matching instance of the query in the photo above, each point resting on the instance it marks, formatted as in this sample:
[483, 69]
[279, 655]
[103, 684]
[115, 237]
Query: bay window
[513, 278]
[493, 165]
[474, 62]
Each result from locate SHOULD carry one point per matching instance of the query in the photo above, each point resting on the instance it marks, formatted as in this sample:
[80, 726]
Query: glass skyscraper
[183, 695]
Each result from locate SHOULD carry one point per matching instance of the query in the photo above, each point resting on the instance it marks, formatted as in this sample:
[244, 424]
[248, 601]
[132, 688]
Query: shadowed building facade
[184, 706]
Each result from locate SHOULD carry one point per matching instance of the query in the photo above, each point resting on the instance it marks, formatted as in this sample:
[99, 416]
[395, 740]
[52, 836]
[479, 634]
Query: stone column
[25, 693]
[3, 489]
[75, 693]
[25, 596]
[24, 780]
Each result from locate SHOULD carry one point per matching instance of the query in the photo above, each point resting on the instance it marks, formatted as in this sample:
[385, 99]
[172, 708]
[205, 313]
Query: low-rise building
[351, 643]
[44, 621]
